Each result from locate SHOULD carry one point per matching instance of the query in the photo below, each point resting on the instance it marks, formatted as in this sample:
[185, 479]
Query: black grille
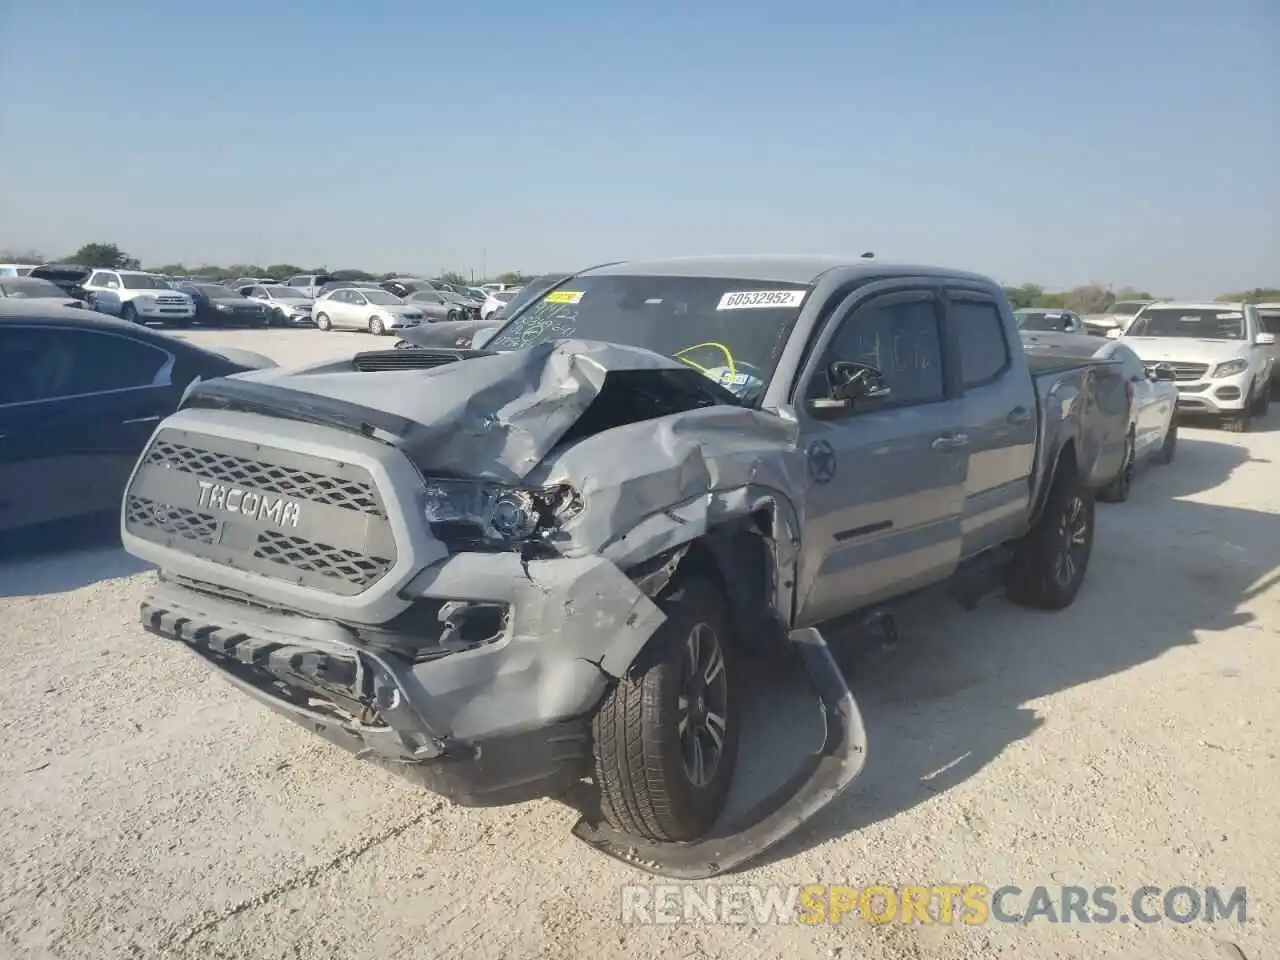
[268, 477]
[176, 521]
[299, 554]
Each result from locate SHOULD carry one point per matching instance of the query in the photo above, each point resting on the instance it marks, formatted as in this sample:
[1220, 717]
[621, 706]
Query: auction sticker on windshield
[563, 296]
[757, 299]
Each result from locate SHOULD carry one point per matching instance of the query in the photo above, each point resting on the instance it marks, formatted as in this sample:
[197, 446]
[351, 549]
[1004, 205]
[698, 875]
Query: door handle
[1018, 415]
[951, 441]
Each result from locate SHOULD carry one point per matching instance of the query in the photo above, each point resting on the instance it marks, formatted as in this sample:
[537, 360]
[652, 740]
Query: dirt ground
[150, 810]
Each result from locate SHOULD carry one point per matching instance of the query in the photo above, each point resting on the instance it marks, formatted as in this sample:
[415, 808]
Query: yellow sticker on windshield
[563, 296]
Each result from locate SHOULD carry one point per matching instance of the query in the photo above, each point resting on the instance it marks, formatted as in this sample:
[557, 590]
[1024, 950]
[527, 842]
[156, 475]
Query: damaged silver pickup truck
[535, 569]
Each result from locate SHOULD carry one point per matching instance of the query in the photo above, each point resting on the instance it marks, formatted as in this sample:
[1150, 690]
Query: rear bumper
[302, 669]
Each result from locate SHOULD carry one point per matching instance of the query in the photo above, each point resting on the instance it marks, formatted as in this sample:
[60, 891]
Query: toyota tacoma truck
[535, 569]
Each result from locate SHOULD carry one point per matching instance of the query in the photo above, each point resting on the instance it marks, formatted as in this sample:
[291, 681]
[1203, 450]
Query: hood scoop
[410, 358]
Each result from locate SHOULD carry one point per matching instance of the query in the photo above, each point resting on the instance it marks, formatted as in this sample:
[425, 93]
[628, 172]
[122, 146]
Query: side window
[111, 281]
[1269, 321]
[901, 340]
[984, 352]
[50, 364]
[99, 279]
[357, 298]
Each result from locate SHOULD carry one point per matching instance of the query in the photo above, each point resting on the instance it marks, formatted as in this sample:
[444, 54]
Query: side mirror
[1265, 339]
[848, 383]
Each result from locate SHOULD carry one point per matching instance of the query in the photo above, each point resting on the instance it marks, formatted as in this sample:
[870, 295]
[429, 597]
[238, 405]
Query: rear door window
[54, 364]
[984, 351]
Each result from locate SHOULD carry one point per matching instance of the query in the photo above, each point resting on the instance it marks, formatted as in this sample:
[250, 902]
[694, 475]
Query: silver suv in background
[1269, 318]
[1220, 355]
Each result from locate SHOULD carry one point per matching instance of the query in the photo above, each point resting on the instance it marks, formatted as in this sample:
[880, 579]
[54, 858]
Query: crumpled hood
[491, 417]
[1185, 349]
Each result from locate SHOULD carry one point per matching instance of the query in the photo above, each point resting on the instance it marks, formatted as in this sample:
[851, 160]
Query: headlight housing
[479, 514]
[1230, 368]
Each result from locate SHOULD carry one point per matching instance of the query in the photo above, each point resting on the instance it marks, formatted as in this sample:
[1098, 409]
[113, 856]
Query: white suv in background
[138, 297]
[1219, 352]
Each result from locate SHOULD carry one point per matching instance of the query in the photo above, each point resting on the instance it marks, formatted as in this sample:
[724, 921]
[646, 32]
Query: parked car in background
[32, 288]
[17, 269]
[239, 282]
[1118, 317]
[309, 283]
[345, 284]
[219, 306]
[139, 297]
[437, 306]
[80, 394]
[1269, 318]
[69, 276]
[361, 308]
[286, 306]
[529, 291]
[1219, 353]
[494, 303]
[1046, 320]
[1151, 393]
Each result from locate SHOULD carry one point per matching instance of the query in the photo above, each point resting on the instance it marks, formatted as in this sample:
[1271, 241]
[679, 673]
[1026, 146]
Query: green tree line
[1089, 298]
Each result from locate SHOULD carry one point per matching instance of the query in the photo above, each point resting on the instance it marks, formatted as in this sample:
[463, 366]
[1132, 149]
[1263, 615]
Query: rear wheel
[666, 736]
[1050, 564]
[1117, 491]
[376, 327]
[322, 322]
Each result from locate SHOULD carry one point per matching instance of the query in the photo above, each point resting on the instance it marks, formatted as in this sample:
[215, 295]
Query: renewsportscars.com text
[958, 903]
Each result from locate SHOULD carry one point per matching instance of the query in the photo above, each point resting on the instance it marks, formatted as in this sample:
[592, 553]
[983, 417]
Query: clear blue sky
[1124, 141]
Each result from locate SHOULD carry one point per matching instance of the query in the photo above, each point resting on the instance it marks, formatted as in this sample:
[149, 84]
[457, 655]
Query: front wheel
[322, 322]
[128, 314]
[1242, 421]
[666, 735]
[376, 326]
[1050, 563]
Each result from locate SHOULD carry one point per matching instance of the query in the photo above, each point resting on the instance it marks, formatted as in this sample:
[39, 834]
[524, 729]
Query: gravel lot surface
[150, 810]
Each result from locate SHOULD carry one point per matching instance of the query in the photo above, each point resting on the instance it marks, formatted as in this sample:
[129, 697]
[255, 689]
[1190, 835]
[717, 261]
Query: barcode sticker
[761, 299]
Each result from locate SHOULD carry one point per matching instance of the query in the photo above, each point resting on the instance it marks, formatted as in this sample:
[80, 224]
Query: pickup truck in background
[534, 570]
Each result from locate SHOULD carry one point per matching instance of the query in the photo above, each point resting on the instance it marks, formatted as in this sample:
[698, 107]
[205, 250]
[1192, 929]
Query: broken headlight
[491, 514]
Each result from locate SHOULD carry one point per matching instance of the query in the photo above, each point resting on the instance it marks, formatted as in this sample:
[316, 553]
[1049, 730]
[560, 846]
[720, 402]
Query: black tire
[643, 747]
[452, 316]
[1170, 445]
[376, 327]
[1117, 491]
[1239, 422]
[322, 322]
[1040, 577]
[128, 314]
[276, 318]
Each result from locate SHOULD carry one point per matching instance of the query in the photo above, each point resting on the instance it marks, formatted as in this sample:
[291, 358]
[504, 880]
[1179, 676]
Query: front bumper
[151, 312]
[484, 721]
[1217, 397]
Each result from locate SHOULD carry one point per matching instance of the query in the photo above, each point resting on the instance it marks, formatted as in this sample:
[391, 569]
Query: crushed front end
[317, 572]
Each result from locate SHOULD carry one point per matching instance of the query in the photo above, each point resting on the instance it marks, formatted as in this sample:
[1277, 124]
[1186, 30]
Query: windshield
[730, 330]
[1201, 322]
[505, 296]
[31, 287]
[137, 281]
[1042, 320]
[1126, 308]
[381, 297]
